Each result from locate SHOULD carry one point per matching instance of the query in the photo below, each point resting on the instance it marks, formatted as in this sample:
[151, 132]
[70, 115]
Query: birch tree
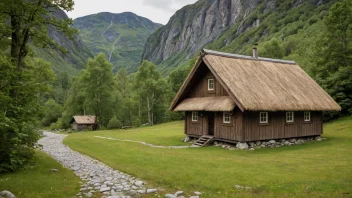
[151, 88]
[98, 87]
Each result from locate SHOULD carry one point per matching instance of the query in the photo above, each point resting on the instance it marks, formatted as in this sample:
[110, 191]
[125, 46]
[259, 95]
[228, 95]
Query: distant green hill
[77, 52]
[120, 36]
[289, 26]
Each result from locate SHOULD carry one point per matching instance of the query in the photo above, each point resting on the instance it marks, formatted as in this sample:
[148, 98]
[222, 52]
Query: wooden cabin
[81, 123]
[236, 98]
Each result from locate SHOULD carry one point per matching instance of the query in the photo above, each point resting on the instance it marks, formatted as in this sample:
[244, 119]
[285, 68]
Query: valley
[226, 98]
[120, 36]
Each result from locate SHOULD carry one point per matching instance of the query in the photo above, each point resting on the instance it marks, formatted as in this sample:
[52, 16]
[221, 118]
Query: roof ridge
[224, 54]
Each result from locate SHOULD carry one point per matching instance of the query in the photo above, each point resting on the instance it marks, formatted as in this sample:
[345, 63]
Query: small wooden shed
[80, 123]
[236, 98]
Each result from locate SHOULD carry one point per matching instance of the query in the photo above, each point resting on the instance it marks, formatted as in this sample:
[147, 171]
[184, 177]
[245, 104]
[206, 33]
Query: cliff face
[120, 36]
[205, 22]
[195, 26]
[77, 52]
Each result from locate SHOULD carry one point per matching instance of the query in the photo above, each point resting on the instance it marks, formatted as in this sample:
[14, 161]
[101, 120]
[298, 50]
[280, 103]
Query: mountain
[77, 53]
[120, 36]
[234, 26]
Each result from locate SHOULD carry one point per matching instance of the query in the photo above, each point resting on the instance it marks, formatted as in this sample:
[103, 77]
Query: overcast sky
[158, 11]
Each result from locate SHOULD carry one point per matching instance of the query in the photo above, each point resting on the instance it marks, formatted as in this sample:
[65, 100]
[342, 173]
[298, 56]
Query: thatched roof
[84, 119]
[224, 103]
[263, 84]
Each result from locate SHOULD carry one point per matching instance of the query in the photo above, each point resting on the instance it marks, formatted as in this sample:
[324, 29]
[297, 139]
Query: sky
[158, 11]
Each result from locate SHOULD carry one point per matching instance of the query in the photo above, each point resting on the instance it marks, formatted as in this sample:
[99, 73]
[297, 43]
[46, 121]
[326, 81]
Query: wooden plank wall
[277, 127]
[201, 87]
[233, 131]
[198, 128]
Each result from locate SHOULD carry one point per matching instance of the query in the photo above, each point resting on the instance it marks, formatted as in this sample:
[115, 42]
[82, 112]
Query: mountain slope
[231, 26]
[77, 52]
[120, 36]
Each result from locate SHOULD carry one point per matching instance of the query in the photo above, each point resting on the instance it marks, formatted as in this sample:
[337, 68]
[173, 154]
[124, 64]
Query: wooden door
[211, 124]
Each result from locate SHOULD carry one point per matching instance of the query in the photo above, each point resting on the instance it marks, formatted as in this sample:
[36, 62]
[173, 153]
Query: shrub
[114, 123]
[16, 146]
[137, 122]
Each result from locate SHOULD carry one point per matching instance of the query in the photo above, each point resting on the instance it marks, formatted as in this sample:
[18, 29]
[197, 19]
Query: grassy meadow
[318, 169]
[39, 182]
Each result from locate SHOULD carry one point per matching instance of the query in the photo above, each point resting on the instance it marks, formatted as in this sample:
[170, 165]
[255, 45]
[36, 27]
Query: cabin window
[290, 117]
[264, 118]
[307, 116]
[227, 117]
[194, 116]
[211, 86]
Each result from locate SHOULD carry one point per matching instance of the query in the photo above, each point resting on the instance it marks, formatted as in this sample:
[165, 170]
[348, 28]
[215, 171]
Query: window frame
[213, 82]
[287, 116]
[309, 115]
[195, 114]
[224, 121]
[266, 117]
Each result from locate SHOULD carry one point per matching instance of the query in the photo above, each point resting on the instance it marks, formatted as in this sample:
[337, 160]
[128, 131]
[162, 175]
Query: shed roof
[263, 84]
[84, 119]
[224, 103]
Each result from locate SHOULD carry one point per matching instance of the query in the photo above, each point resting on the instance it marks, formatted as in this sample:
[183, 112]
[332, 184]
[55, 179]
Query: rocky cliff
[195, 26]
[205, 22]
[120, 36]
[77, 52]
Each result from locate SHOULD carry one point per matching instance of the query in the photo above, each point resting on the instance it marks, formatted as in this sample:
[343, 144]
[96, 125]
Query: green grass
[169, 134]
[318, 169]
[38, 181]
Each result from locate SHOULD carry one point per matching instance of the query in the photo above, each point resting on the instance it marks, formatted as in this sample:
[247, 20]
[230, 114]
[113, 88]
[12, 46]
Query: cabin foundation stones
[267, 144]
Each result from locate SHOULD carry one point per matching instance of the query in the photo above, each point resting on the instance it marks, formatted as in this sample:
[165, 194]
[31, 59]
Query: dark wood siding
[196, 128]
[233, 131]
[201, 87]
[277, 127]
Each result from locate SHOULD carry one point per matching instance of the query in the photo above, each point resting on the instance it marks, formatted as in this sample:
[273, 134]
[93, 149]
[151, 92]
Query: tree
[18, 115]
[62, 86]
[152, 89]
[52, 112]
[74, 104]
[334, 56]
[24, 78]
[272, 49]
[124, 98]
[98, 86]
[26, 21]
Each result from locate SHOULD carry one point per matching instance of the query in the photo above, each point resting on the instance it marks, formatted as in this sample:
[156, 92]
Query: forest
[32, 96]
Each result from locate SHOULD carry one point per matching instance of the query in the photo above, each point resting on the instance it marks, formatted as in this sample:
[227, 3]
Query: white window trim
[224, 120]
[211, 89]
[304, 116]
[266, 118]
[293, 117]
[195, 115]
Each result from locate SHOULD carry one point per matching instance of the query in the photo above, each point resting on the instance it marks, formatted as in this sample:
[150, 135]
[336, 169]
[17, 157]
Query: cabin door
[211, 124]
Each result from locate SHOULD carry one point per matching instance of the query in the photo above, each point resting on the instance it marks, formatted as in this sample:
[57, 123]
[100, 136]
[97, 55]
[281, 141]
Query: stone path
[96, 176]
[144, 143]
